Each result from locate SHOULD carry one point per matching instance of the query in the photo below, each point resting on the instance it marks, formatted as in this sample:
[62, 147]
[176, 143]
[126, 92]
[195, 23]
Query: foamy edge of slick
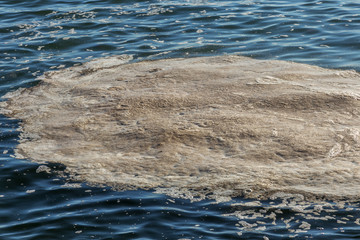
[208, 127]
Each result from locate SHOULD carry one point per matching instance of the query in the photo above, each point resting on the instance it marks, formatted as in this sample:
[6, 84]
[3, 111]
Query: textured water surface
[38, 36]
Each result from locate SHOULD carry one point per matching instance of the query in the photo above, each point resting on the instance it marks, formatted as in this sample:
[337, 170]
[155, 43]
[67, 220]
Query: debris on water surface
[43, 168]
[209, 127]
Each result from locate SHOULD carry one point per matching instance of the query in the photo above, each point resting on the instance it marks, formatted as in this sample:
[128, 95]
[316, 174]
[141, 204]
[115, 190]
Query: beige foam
[220, 126]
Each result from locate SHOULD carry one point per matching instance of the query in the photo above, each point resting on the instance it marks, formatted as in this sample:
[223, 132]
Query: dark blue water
[38, 36]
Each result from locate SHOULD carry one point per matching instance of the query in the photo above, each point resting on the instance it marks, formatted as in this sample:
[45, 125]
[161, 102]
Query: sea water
[38, 202]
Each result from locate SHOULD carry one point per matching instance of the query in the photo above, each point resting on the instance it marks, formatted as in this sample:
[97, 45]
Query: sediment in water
[212, 126]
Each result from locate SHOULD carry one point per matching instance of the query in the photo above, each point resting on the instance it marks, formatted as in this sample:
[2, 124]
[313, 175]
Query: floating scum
[211, 126]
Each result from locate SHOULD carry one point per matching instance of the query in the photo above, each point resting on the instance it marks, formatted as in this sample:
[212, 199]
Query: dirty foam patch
[214, 127]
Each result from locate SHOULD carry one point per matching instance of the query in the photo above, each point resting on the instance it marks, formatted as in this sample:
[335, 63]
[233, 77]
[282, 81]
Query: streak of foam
[296, 216]
[212, 127]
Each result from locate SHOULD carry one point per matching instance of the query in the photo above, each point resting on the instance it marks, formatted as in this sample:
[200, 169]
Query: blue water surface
[41, 35]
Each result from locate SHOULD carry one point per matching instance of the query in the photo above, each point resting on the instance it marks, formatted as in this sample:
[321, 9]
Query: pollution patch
[216, 127]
